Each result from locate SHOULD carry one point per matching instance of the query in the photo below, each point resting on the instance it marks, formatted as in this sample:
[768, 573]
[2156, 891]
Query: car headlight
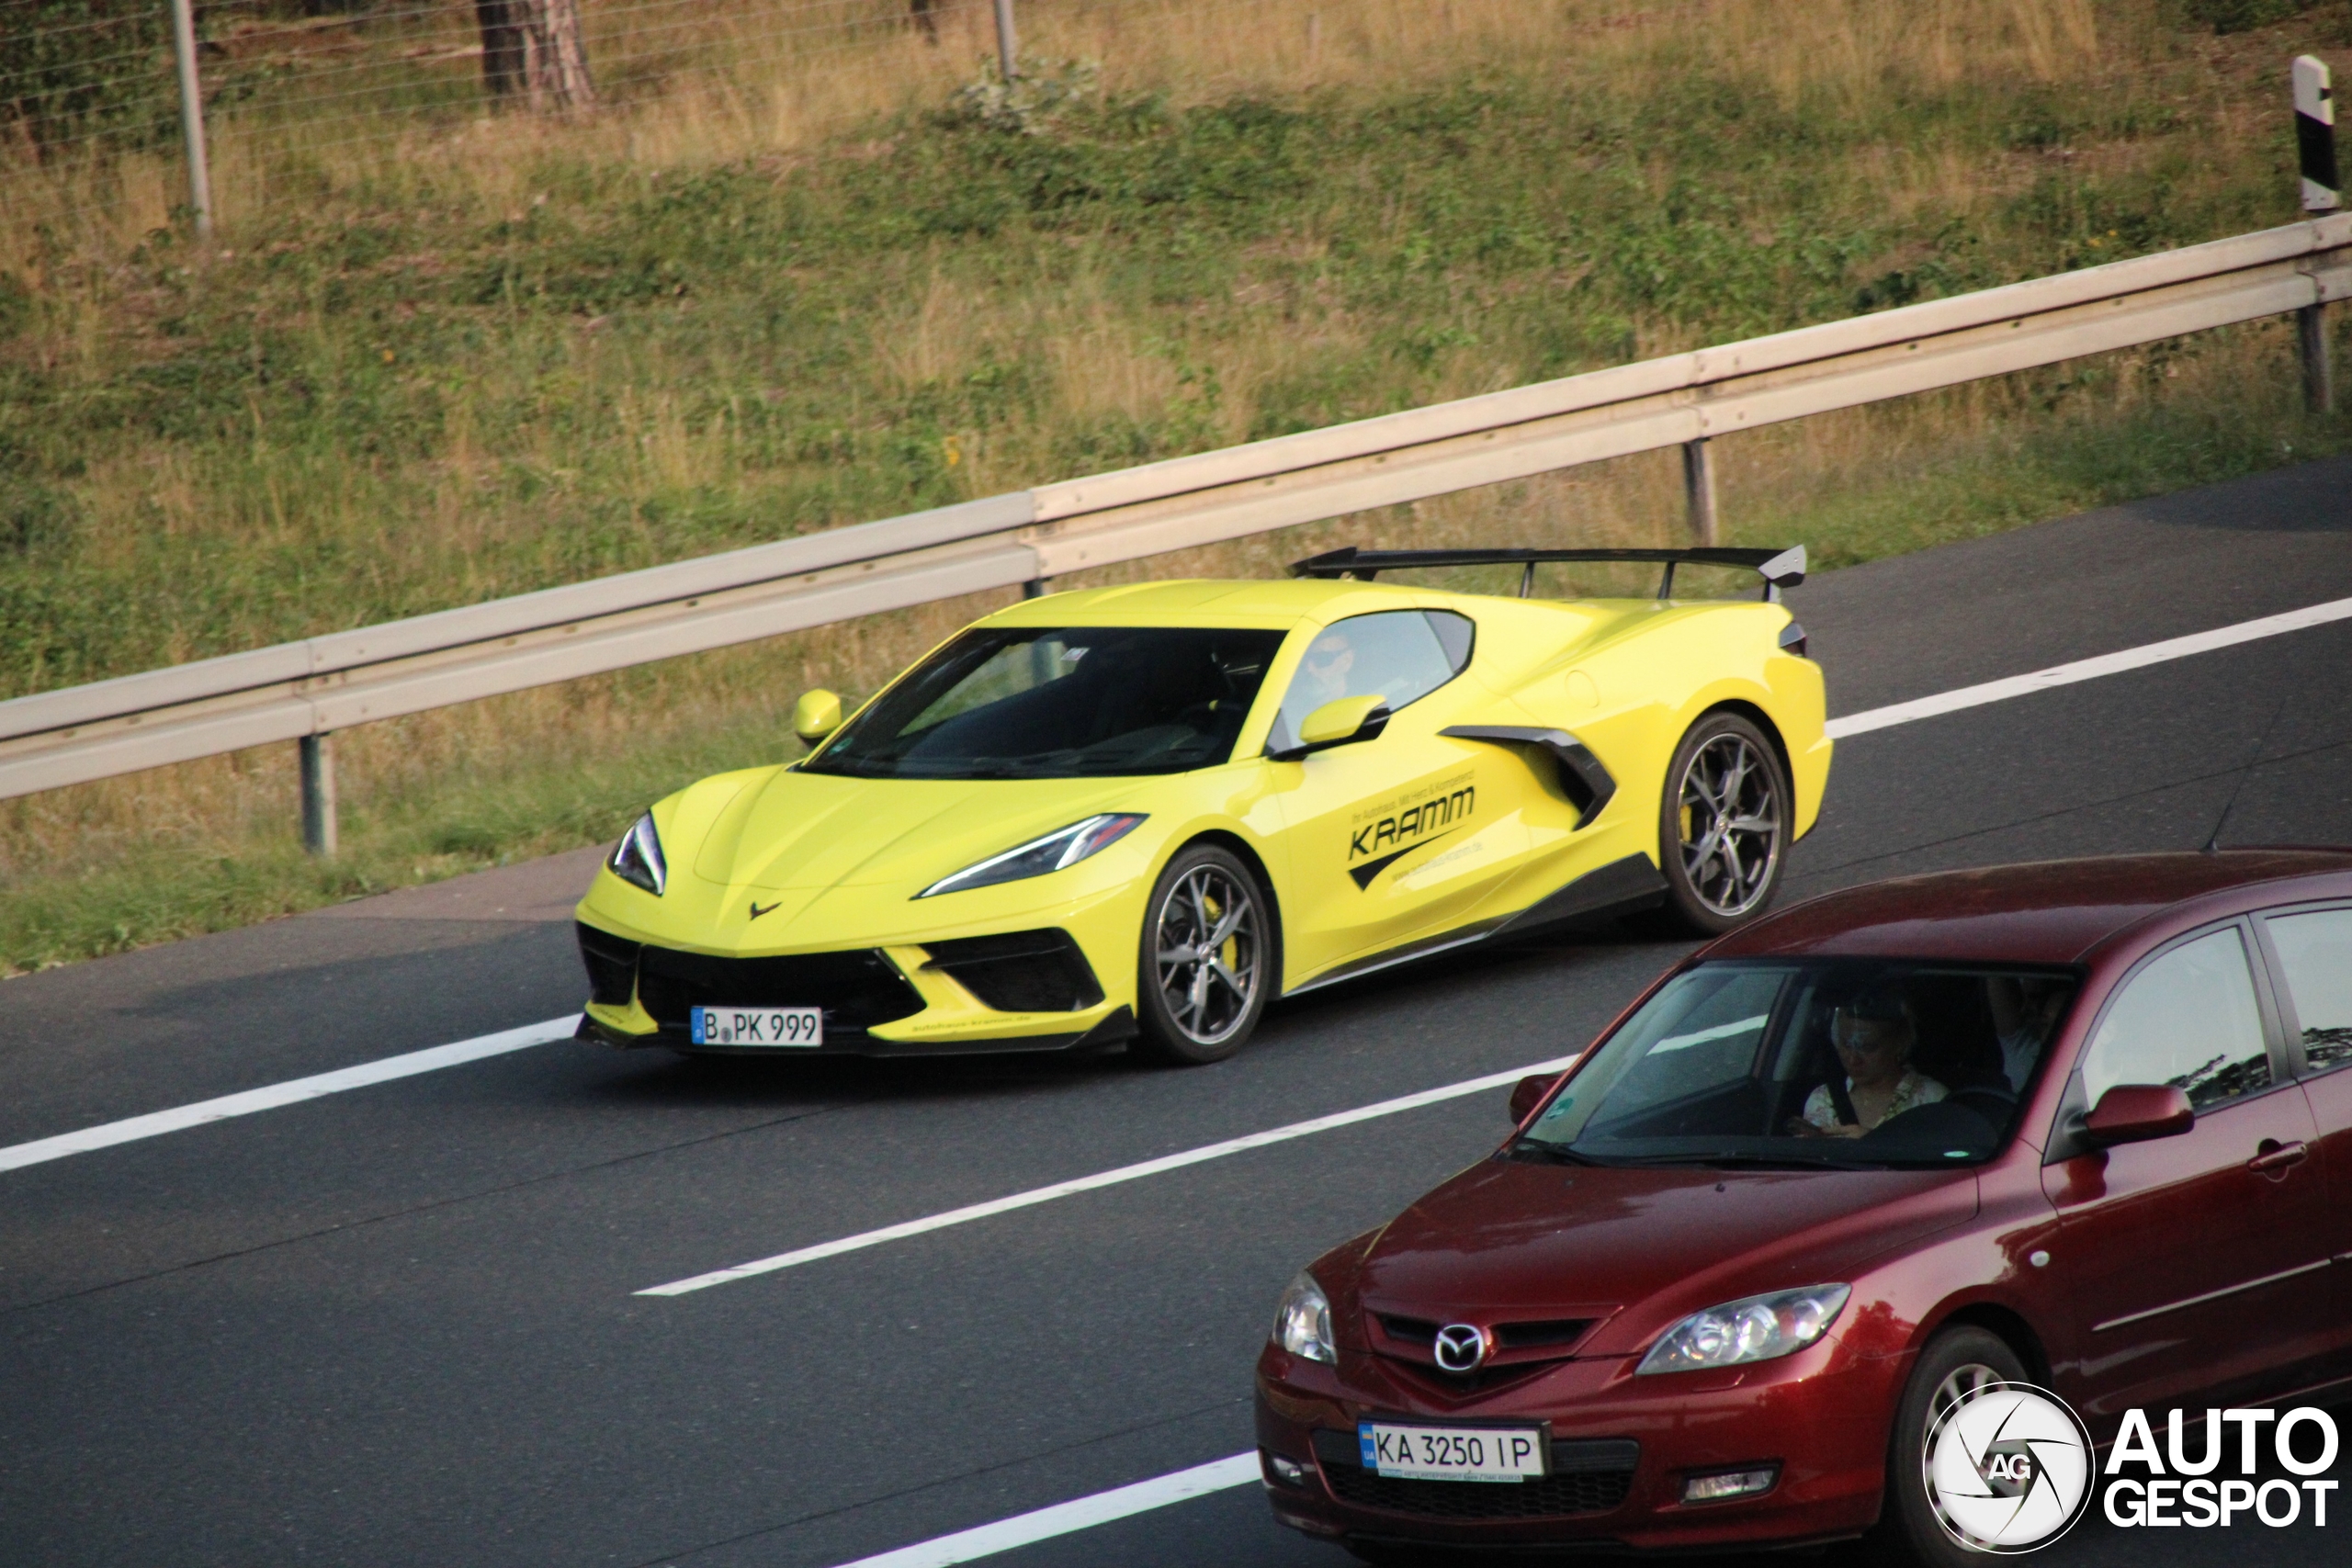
[1756, 1328]
[1303, 1321]
[1063, 847]
[636, 859]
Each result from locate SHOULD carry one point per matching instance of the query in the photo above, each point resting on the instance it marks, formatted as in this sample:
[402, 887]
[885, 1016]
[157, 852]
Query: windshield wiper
[1732, 1158]
[1558, 1154]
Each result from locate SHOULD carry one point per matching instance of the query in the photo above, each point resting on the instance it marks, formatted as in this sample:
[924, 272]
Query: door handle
[2271, 1155]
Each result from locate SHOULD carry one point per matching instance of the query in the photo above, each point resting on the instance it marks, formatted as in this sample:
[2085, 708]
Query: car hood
[801, 831]
[1638, 1248]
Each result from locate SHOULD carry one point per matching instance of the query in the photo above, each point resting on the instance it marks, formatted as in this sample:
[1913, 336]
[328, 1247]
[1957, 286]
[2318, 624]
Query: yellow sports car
[1142, 813]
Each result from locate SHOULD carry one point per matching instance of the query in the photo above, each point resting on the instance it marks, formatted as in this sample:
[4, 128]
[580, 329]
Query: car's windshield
[1060, 701]
[1860, 1061]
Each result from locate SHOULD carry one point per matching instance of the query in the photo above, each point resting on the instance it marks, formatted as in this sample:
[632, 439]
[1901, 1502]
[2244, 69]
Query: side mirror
[1349, 719]
[1528, 1093]
[2135, 1112]
[816, 715]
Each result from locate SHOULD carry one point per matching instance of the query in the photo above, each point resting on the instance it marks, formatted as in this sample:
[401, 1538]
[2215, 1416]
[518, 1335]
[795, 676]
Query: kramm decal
[1383, 834]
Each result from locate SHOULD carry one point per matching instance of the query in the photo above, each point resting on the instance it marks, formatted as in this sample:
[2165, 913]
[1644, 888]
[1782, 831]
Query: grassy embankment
[750, 302]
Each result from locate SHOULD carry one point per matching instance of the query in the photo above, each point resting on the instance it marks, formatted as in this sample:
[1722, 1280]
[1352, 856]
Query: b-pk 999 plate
[758, 1026]
[1453, 1453]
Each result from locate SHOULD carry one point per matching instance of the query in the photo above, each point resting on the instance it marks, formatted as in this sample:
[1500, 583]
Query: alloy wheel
[1960, 1386]
[1207, 948]
[1729, 810]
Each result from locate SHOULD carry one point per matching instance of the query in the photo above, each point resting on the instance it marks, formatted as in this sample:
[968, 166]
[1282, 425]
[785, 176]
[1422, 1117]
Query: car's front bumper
[1622, 1449]
[1020, 992]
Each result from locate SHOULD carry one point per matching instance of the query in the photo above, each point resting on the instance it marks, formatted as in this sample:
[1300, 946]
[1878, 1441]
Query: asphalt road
[397, 1326]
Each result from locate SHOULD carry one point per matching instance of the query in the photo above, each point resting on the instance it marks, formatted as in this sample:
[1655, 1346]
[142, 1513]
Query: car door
[1363, 823]
[2195, 1262]
[2311, 955]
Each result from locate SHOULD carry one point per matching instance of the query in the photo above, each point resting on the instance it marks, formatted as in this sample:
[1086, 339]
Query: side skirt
[1620, 887]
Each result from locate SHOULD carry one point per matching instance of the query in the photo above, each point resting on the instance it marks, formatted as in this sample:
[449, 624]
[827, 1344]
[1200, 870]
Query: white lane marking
[2088, 669]
[967, 1214]
[1079, 1514]
[158, 1123]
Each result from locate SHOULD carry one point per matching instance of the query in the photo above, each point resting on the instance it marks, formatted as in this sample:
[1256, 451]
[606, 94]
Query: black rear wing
[1779, 569]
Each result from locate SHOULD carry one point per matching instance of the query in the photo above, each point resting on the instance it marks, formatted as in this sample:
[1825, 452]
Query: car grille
[1040, 971]
[1588, 1476]
[1521, 1350]
[856, 990]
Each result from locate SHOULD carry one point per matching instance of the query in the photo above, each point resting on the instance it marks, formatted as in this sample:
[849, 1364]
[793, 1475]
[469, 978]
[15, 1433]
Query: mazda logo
[1460, 1348]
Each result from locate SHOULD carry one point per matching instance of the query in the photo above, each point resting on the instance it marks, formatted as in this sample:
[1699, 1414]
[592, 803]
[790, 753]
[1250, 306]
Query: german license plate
[1453, 1453]
[758, 1026]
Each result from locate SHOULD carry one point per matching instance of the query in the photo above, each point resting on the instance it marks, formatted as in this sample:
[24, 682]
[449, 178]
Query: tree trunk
[533, 49]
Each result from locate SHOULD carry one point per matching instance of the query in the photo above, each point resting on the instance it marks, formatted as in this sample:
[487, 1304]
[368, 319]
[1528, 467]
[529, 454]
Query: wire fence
[90, 106]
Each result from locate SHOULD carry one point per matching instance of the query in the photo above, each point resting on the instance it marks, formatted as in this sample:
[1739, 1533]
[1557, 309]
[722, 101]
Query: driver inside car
[1874, 1034]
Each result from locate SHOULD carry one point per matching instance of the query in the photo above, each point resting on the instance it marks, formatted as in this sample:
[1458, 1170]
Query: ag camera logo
[2009, 1468]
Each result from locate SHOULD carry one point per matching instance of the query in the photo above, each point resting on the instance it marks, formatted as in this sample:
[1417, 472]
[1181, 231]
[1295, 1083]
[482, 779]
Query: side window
[1399, 655]
[2315, 952]
[2189, 1019]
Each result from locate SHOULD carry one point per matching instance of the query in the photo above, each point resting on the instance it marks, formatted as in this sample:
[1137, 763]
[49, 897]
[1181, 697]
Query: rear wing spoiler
[1779, 569]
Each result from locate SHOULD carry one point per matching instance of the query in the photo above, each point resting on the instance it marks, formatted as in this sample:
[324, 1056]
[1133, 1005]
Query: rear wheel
[1207, 962]
[1723, 824]
[1955, 1367]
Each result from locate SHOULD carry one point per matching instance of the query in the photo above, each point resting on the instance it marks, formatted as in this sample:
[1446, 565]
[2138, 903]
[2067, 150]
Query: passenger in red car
[1874, 1034]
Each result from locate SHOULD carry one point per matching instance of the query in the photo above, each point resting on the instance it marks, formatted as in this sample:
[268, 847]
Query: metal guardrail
[306, 690]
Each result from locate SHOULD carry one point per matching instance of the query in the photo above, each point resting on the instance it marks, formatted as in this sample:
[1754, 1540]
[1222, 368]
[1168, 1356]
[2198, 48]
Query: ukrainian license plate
[1453, 1453]
[758, 1026]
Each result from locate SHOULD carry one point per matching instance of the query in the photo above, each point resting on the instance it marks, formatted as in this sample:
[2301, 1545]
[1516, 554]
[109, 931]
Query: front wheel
[1723, 824]
[1207, 964]
[1955, 1367]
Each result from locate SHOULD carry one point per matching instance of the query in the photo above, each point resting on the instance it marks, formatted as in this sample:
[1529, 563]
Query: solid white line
[157, 1122]
[1101, 1178]
[2090, 668]
[1062, 1518]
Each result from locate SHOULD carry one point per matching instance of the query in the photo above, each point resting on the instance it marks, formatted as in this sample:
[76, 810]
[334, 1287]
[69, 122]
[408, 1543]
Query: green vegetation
[395, 387]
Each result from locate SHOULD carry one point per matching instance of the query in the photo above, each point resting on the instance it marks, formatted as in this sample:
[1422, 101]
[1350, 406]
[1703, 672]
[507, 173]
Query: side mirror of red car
[1528, 1093]
[2134, 1113]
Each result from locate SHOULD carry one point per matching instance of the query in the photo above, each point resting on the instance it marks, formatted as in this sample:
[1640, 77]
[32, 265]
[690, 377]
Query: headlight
[636, 859]
[1303, 1321]
[1063, 848]
[1755, 1329]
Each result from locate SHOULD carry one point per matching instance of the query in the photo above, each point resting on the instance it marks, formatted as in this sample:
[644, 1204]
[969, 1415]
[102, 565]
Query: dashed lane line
[292, 1092]
[1063, 1518]
[1100, 1179]
[2090, 668]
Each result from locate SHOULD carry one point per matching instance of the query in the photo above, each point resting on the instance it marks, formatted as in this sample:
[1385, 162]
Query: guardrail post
[200, 180]
[1699, 489]
[317, 795]
[2319, 377]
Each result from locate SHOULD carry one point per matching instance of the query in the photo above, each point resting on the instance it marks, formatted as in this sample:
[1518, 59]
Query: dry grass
[445, 522]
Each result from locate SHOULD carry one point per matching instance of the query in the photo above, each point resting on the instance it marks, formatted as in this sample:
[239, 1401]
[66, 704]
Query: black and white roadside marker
[2315, 149]
[2315, 135]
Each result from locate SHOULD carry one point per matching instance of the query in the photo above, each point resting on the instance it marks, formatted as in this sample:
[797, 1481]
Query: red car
[2081, 1124]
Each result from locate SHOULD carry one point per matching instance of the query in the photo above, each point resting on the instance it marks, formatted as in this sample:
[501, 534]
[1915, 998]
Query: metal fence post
[317, 795]
[1008, 47]
[1699, 490]
[199, 179]
[2315, 153]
